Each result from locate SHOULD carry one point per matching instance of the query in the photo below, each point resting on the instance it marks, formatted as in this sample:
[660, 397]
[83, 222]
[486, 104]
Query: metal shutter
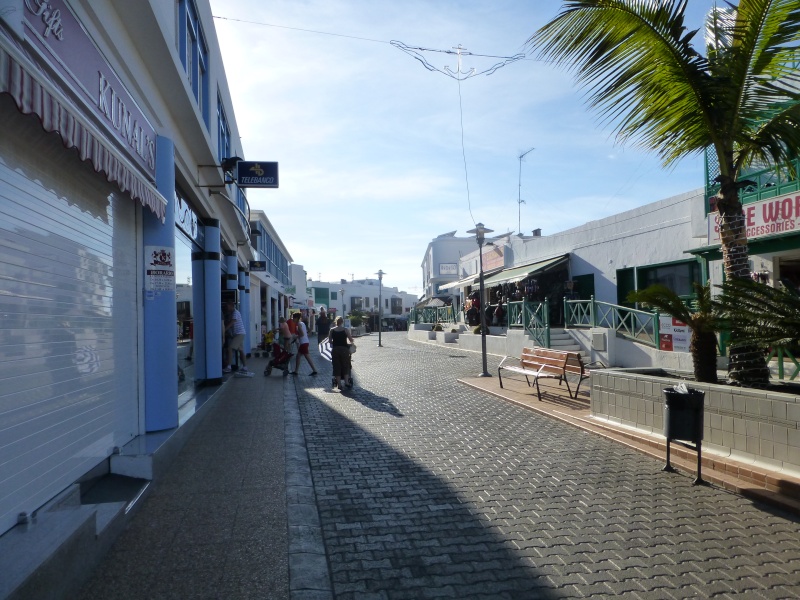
[69, 326]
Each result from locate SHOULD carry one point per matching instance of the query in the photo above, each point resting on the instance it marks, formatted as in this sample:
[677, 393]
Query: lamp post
[380, 275]
[341, 293]
[519, 192]
[480, 232]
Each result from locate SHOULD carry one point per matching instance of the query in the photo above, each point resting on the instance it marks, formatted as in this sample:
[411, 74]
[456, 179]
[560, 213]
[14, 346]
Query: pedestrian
[235, 347]
[292, 324]
[323, 326]
[286, 334]
[302, 340]
[340, 354]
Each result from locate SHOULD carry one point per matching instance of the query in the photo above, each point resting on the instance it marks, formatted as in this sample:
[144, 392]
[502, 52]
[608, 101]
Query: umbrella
[325, 350]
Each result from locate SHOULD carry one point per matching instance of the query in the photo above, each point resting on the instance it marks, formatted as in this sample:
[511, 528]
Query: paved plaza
[415, 485]
[427, 488]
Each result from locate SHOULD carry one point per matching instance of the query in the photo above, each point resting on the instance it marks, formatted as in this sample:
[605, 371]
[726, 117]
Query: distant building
[361, 294]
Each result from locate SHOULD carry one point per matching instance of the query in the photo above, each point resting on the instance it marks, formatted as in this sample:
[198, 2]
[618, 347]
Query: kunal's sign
[767, 217]
[257, 174]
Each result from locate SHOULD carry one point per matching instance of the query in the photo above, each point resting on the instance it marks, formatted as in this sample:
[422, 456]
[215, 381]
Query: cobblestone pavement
[427, 488]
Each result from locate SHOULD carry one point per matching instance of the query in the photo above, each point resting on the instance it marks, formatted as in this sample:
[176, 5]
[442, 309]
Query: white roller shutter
[68, 333]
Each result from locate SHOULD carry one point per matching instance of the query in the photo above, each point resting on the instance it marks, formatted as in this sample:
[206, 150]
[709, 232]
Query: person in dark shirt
[340, 353]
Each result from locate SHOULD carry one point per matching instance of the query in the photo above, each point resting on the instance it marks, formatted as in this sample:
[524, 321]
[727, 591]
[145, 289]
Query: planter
[749, 425]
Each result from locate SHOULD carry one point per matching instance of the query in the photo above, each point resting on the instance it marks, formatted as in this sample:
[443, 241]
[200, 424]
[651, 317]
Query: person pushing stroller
[340, 354]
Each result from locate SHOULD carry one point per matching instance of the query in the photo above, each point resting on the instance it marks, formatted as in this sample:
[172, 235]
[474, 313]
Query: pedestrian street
[428, 488]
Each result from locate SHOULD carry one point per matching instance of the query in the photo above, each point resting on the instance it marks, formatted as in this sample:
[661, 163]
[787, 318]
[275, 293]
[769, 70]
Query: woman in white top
[302, 341]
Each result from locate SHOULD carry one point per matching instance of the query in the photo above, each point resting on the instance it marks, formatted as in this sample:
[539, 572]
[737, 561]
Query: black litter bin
[683, 420]
[683, 415]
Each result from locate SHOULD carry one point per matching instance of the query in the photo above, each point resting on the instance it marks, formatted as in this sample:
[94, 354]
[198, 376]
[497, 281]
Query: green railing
[432, 314]
[638, 325]
[780, 352]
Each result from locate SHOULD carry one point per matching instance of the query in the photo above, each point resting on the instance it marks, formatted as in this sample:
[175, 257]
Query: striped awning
[33, 93]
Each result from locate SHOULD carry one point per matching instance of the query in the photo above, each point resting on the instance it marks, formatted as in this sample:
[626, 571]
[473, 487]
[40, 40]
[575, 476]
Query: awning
[516, 274]
[34, 94]
[470, 280]
[460, 283]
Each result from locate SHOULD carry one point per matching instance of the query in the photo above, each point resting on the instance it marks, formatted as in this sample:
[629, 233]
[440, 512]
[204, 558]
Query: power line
[352, 37]
[363, 39]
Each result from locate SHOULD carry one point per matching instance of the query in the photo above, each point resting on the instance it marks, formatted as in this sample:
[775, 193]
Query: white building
[361, 294]
[122, 234]
[440, 265]
[271, 278]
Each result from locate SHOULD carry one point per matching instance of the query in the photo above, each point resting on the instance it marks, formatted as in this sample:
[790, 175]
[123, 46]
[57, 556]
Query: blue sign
[256, 174]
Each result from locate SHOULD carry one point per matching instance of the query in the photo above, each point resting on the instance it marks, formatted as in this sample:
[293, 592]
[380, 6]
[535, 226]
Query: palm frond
[663, 299]
[637, 61]
[759, 313]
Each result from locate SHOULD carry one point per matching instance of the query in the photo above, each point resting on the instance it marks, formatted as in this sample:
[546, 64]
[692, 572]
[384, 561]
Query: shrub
[438, 327]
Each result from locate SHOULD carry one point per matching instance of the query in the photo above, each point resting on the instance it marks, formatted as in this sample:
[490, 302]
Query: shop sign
[768, 217]
[258, 265]
[160, 269]
[674, 335]
[257, 174]
[53, 29]
[448, 268]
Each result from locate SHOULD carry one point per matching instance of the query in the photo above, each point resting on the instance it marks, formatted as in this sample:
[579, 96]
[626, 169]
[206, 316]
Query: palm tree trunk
[747, 363]
[703, 348]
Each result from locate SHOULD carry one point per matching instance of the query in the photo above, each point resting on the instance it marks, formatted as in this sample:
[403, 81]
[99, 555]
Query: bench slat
[546, 363]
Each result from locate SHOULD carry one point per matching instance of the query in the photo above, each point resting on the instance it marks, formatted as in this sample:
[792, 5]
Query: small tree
[761, 314]
[356, 318]
[701, 318]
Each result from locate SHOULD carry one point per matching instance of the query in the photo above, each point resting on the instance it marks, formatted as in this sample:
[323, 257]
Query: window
[334, 295]
[194, 53]
[680, 277]
[223, 132]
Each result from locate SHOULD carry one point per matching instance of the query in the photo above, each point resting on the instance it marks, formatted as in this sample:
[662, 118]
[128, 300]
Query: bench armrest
[505, 358]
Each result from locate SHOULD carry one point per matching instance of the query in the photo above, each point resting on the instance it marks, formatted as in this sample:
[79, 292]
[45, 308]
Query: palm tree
[763, 315]
[700, 318]
[739, 100]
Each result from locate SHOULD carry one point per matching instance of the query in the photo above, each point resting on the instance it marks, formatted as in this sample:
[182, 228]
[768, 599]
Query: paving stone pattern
[427, 488]
[215, 525]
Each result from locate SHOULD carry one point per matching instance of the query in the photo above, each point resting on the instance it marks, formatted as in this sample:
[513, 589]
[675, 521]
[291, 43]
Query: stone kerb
[753, 426]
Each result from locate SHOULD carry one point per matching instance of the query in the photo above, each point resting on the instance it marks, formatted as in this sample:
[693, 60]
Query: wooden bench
[544, 363]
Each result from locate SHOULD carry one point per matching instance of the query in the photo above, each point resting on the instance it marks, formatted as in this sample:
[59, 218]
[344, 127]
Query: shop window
[679, 277]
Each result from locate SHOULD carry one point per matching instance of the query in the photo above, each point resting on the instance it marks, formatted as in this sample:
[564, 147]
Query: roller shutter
[69, 327]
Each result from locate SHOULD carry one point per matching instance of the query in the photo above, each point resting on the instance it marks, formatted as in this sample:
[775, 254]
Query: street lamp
[380, 275]
[519, 192]
[480, 231]
[341, 293]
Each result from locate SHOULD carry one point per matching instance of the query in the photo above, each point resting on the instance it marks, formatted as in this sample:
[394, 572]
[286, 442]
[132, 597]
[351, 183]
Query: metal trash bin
[683, 420]
[683, 415]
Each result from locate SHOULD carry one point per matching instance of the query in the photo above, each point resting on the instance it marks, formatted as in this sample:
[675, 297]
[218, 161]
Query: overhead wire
[459, 51]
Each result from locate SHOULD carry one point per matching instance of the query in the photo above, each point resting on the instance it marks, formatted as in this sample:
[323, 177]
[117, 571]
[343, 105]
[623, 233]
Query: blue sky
[370, 142]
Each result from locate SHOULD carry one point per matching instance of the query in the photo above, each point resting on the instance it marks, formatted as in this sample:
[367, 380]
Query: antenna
[520, 201]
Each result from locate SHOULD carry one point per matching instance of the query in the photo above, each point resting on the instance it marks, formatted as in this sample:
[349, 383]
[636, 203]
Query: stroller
[280, 360]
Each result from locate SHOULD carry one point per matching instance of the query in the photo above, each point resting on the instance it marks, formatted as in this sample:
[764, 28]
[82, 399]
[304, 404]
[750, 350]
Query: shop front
[76, 197]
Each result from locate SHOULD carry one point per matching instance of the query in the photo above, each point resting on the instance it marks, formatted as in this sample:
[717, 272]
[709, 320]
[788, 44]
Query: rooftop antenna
[520, 201]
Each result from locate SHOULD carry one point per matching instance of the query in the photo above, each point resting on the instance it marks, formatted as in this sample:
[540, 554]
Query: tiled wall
[757, 426]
